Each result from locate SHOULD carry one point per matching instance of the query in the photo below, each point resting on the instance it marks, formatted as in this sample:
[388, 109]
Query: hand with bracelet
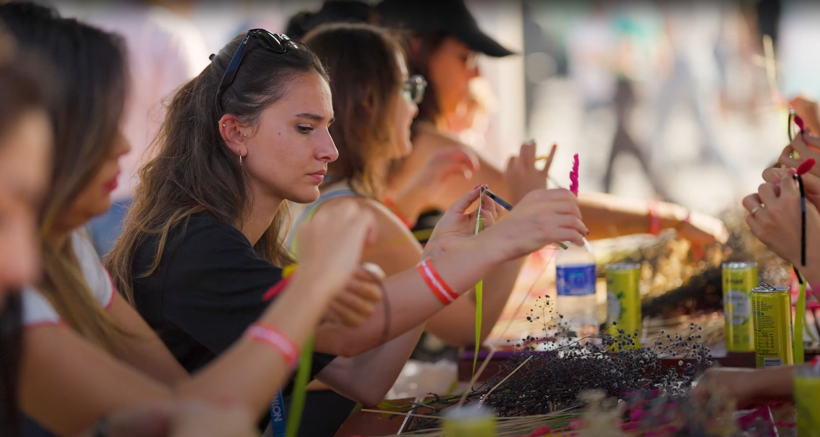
[457, 224]
[542, 217]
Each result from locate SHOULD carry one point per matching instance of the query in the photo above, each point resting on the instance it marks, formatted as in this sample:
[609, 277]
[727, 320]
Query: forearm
[455, 324]
[774, 384]
[251, 371]
[411, 301]
[366, 378]
[609, 216]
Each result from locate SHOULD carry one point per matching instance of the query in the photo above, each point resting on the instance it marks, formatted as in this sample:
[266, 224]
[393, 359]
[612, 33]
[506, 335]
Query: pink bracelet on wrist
[277, 340]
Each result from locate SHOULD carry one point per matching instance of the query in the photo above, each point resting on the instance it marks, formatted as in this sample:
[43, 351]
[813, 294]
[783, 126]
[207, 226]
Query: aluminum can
[623, 301]
[739, 278]
[772, 313]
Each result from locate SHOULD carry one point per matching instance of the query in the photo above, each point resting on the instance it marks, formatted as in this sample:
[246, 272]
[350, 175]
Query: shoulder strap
[311, 210]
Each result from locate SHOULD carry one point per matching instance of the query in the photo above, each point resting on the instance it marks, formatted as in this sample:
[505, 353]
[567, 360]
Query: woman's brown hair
[193, 170]
[22, 90]
[85, 112]
[366, 80]
[424, 44]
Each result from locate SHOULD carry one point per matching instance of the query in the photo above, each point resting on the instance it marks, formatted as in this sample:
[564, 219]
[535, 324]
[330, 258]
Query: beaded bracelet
[437, 285]
[276, 339]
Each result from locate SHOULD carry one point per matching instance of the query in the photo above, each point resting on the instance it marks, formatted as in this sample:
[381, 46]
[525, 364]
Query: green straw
[479, 287]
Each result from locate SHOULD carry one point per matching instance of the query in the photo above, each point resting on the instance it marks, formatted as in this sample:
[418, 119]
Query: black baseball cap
[449, 16]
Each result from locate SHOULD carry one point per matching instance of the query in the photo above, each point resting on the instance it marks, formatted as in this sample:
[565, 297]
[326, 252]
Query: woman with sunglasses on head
[374, 102]
[86, 353]
[246, 136]
[443, 42]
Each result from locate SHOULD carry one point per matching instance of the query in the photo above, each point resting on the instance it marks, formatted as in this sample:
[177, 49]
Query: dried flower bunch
[552, 379]
[680, 285]
[546, 376]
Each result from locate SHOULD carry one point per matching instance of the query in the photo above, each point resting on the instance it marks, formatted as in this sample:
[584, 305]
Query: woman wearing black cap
[442, 46]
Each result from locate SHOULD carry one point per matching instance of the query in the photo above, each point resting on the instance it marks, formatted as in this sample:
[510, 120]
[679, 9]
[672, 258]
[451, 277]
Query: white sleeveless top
[37, 310]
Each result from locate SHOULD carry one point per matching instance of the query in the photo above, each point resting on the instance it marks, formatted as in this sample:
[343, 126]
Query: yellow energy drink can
[739, 278]
[623, 301]
[772, 314]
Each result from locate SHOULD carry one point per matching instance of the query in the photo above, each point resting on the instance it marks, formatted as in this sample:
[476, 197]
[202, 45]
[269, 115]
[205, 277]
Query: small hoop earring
[240, 159]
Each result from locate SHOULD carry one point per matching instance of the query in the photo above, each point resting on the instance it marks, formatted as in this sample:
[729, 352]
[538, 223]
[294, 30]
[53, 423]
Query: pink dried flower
[805, 166]
[635, 415]
[540, 431]
[577, 424]
[573, 176]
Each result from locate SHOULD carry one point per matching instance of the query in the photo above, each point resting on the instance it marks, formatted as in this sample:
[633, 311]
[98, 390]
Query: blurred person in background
[165, 50]
[443, 40]
[692, 76]
[610, 52]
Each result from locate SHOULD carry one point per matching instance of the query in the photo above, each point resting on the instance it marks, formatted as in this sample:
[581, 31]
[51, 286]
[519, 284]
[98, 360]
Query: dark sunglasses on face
[275, 42]
[413, 89]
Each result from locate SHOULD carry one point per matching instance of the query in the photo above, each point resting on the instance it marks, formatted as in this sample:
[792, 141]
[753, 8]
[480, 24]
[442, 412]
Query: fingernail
[587, 233]
[477, 186]
[482, 208]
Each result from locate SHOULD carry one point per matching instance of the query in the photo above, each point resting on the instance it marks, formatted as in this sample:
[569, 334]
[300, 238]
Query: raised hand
[811, 183]
[457, 224]
[807, 145]
[359, 297]
[424, 187]
[542, 217]
[775, 219]
[330, 250]
[522, 176]
[807, 110]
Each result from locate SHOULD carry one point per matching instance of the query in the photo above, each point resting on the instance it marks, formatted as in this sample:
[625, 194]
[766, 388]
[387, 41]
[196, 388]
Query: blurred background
[677, 100]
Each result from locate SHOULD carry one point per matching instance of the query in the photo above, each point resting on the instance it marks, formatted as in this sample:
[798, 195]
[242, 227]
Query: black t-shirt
[207, 290]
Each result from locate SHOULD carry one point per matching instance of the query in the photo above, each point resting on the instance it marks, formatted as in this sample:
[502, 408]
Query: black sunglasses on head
[275, 42]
